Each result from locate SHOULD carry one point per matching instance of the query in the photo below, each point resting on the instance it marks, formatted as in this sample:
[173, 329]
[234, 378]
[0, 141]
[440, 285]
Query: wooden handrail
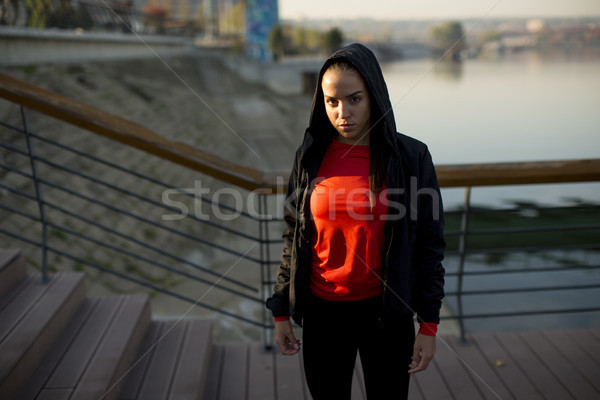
[519, 173]
[140, 137]
[127, 132]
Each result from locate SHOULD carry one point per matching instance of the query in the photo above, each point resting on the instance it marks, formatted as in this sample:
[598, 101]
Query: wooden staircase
[56, 343]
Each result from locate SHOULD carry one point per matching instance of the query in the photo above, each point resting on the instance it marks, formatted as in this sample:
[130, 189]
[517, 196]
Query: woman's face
[348, 105]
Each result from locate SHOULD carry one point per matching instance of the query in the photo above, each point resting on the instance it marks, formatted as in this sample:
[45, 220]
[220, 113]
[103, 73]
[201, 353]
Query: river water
[520, 107]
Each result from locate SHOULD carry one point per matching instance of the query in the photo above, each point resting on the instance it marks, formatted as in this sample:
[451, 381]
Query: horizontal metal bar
[18, 192]
[12, 127]
[553, 228]
[523, 290]
[150, 222]
[521, 313]
[536, 229]
[105, 228]
[14, 149]
[145, 199]
[195, 302]
[524, 270]
[124, 212]
[151, 262]
[20, 237]
[148, 246]
[137, 174]
[532, 249]
[483, 210]
[17, 171]
[139, 218]
[21, 213]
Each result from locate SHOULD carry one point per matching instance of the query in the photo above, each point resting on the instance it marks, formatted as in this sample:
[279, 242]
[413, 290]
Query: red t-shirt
[348, 234]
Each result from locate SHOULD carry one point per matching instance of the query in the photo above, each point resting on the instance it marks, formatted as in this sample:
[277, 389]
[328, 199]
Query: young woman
[363, 243]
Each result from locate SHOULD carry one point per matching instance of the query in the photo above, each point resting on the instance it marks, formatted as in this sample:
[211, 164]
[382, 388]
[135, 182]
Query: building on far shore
[249, 21]
[261, 17]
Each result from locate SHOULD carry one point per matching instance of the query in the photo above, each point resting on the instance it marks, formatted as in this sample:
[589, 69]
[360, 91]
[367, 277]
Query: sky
[435, 9]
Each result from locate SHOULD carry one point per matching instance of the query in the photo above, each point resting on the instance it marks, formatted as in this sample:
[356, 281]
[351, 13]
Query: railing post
[39, 195]
[462, 249]
[265, 270]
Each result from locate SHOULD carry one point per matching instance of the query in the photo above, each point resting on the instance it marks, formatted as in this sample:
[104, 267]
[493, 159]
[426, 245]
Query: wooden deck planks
[261, 374]
[172, 361]
[481, 372]
[290, 378]
[460, 371]
[190, 376]
[164, 361]
[104, 372]
[453, 371]
[586, 353]
[12, 269]
[135, 377]
[580, 359]
[503, 366]
[75, 360]
[25, 345]
[234, 371]
[414, 390]
[432, 384]
[56, 353]
[561, 367]
[16, 305]
[508, 370]
[213, 378]
[541, 377]
[85, 360]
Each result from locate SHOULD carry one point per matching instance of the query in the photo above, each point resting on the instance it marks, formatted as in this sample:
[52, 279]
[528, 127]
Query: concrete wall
[289, 77]
[21, 46]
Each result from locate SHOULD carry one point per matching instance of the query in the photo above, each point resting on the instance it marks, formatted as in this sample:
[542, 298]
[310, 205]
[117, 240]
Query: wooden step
[172, 362]
[32, 317]
[12, 269]
[94, 354]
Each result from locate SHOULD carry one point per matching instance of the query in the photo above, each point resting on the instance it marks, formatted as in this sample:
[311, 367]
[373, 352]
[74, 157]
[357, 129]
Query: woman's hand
[423, 353]
[285, 339]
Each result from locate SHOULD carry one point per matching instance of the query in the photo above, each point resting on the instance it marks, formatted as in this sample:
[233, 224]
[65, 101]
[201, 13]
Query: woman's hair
[378, 149]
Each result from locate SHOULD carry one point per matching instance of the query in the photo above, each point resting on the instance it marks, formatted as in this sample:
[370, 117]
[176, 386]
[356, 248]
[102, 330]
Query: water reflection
[448, 70]
[522, 107]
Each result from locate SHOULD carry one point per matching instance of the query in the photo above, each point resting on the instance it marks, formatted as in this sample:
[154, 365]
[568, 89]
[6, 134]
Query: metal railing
[73, 201]
[463, 232]
[531, 230]
[78, 203]
[61, 213]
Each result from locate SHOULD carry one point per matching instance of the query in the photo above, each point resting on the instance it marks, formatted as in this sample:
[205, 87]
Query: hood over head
[365, 62]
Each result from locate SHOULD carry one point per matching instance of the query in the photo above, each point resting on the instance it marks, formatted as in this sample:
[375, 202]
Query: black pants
[333, 333]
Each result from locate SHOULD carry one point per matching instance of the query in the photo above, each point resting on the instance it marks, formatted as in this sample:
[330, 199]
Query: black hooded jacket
[414, 242]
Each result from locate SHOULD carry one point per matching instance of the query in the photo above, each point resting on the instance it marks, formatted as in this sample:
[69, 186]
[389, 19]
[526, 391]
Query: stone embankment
[194, 99]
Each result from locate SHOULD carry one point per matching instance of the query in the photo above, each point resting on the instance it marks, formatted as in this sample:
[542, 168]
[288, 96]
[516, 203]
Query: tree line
[285, 40]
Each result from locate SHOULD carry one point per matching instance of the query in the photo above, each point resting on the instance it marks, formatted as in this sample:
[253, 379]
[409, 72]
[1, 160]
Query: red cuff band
[428, 328]
[281, 318]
